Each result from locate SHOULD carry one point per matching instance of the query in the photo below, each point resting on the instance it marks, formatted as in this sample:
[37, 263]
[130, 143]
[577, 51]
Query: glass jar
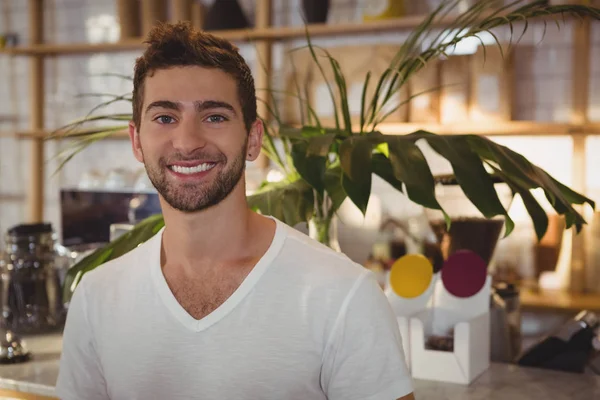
[31, 296]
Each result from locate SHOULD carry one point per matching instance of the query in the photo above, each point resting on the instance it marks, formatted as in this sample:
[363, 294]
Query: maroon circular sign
[464, 273]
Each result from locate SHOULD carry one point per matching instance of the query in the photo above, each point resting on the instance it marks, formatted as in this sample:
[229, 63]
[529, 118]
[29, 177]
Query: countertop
[504, 381]
[499, 382]
[39, 374]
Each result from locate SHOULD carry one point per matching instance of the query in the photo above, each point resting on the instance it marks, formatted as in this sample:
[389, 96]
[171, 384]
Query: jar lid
[30, 229]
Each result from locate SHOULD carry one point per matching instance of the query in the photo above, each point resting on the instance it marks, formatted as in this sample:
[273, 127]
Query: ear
[255, 138]
[136, 146]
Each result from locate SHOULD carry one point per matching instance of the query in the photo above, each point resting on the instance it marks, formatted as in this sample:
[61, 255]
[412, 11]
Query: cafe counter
[36, 378]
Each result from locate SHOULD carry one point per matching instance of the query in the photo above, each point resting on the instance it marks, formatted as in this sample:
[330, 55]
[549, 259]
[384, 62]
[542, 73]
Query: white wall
[543, 94]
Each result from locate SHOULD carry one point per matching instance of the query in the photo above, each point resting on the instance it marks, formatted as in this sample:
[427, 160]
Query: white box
[407, 308]
[470, 320]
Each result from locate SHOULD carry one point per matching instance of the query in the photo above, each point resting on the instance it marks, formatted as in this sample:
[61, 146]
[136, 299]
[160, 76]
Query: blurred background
[541, 100]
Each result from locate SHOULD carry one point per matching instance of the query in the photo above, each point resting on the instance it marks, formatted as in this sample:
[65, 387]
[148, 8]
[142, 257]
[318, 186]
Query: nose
[188, 137]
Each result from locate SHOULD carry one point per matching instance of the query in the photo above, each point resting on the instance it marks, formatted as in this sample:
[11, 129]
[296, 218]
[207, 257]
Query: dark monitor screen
[86, 215]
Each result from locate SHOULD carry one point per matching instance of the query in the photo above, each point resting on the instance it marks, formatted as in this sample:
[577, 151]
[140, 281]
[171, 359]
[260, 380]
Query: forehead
[190, 83]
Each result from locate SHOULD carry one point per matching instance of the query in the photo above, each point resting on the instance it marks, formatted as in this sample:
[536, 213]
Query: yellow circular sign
[411, 275]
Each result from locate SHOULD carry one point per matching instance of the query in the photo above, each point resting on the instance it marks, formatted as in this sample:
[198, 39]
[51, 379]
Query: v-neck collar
[228, 305]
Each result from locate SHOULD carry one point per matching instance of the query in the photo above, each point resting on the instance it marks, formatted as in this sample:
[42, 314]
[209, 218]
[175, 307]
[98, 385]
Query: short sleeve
[80, 374]
[364, 358]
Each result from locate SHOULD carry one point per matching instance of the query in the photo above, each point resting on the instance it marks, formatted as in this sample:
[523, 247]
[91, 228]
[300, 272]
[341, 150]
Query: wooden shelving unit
[260, 33]
[524, 128]
[264, 35]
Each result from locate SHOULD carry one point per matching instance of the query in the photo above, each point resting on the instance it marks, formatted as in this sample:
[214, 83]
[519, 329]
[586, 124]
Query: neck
[216, 234]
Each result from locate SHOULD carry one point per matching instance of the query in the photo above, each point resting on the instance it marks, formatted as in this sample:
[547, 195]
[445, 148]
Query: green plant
[324, 165]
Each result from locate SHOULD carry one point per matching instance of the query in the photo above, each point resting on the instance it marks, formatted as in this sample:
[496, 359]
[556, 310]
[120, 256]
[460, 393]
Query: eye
[216, 118]
[164, 119]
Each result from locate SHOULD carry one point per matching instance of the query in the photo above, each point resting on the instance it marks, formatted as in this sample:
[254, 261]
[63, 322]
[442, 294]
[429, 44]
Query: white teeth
[192, 170]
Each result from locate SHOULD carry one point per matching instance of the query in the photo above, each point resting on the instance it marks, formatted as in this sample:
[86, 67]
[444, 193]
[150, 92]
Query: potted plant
[324, 165]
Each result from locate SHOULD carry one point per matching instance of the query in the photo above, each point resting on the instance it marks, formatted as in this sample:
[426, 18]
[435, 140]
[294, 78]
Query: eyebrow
[199, 105]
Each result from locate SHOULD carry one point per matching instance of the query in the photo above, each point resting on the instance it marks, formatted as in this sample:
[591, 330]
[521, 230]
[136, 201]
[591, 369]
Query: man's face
[192, 139]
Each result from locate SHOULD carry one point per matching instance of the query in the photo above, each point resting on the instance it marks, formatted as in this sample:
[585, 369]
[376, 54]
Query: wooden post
[263, 71]
[579, 115]
[35, 194]
[198, 13]
[129, 18]
[181, 10]
[152, 11]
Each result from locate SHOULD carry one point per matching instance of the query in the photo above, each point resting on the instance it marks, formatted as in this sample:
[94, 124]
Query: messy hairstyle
[175, 45]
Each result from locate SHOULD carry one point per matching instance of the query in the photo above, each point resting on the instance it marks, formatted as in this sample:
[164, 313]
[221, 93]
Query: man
[223, 303]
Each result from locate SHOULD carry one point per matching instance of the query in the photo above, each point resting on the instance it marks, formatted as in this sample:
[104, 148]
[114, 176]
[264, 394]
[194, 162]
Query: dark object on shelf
[225, 14]
[30, 229]
[567, 349]
[8, 40]
[315, 11]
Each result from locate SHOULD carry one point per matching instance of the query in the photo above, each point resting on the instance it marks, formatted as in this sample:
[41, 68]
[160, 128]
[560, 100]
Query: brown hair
[172, 45]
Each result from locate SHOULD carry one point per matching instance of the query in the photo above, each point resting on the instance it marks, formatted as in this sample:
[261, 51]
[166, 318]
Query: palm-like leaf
[467, 154]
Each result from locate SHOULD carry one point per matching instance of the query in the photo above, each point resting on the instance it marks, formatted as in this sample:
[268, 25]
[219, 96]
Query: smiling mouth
[192, 170]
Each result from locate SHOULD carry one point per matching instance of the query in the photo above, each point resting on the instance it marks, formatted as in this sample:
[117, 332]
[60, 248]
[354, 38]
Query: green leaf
[320, 145]
[470, 174]
[373, 106]
[537, 213]
[382, 167]
[65, 130]
[410, 166]
[355, 158]
[269, 148]
[140, 233]
[529, 176]
[572, 196]
[291, 203]
[310, 160]
[535, 210]
[362, 101]
[334, 187]
[383, 148]
[343, 90]
[311, 48]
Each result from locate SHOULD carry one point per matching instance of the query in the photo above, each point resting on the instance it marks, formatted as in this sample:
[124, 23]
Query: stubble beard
[195, 197]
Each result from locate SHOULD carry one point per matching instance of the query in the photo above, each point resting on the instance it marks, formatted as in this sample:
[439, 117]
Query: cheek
[149, 150]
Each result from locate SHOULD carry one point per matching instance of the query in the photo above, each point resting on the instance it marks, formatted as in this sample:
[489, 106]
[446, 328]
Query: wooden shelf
[593, 128]
[239, 35]
[523, 128]
[559, 300]
[45, 135]
[243, 35]
[490, 128]
[74, 48]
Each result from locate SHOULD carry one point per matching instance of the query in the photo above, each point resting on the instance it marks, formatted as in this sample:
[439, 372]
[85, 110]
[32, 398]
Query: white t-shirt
[307, 323]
